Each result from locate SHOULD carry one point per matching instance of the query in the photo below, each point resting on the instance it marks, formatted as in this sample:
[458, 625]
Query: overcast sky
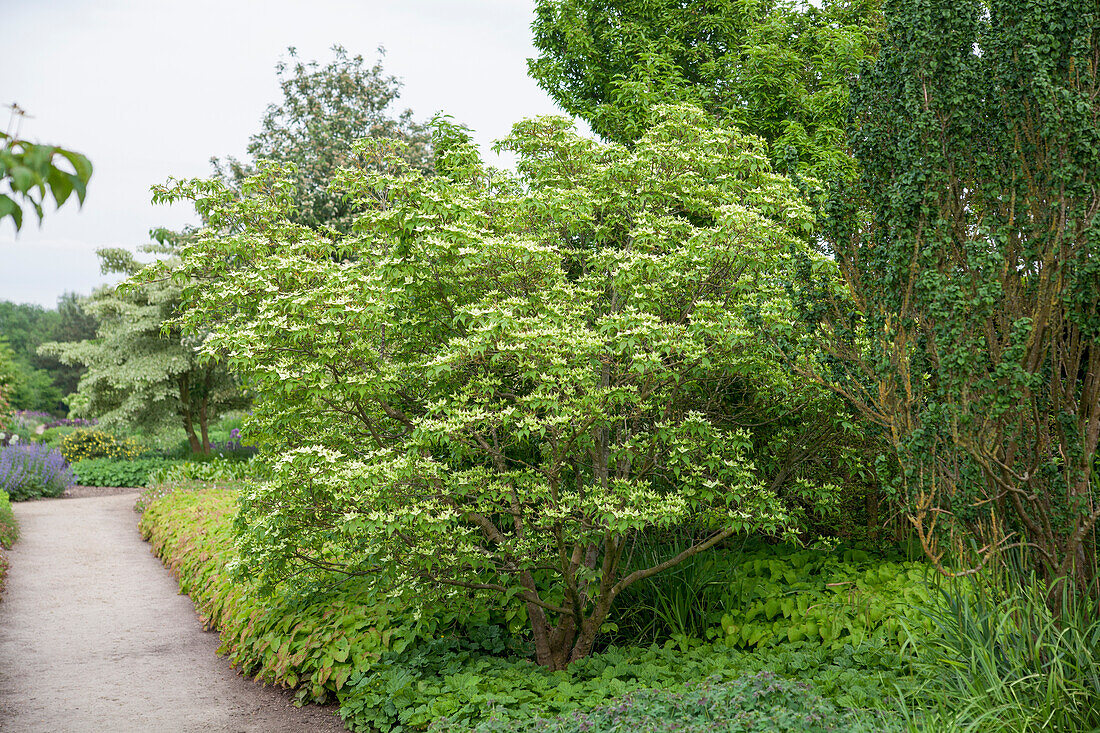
[149, 89]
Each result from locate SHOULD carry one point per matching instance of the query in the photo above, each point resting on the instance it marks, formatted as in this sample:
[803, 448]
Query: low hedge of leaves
[395, 670]
[783, 594]
[114, 472]
[9, 528]
[216, 470]
[309, 641]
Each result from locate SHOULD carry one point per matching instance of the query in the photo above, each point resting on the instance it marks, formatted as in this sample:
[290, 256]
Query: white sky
[149, 89]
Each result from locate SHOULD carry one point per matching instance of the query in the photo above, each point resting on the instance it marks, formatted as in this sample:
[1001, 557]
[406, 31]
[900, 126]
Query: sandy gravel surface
[95, 637]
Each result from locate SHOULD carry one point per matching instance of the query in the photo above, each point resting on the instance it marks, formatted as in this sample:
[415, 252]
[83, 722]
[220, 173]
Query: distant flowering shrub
[30, 471]
[85, 444]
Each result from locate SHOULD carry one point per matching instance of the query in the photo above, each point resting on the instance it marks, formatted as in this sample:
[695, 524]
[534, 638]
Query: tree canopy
[775, 68]
[325, 109]
[138, 375]
[498, 384]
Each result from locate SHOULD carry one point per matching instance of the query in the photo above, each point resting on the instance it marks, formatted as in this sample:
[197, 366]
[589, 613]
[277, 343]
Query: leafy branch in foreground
[29, 174]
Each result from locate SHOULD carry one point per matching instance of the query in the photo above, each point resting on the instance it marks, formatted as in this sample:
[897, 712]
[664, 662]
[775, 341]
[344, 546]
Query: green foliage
[768, 595]
[140, 375]
[215, 470]
[964, 317]
[464, 681]
[760, 703]
[8, 375]
[1006, 662]
[30, 174]
[324, 111]
[43, 381]
[9, 528]
[774, 68]
[312, 640]
[54, 436]
[389, 666]
[497, 382]
[118, 472]
[83, 444]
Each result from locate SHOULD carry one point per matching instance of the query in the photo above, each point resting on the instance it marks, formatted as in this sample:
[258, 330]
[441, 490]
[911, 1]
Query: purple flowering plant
[32, 471]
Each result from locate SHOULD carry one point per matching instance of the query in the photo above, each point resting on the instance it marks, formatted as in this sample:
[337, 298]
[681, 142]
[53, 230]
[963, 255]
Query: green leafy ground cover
[9, 533]
[9, 529]
[394, 668]
[115, 472]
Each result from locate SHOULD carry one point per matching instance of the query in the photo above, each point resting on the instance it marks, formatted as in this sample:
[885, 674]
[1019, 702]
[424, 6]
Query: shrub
[83, 444]
[114, 472]
[31, 471]
[54, 436]
[9, 529]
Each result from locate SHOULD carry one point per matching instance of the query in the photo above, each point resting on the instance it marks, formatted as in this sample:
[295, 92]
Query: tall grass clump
[1008, 662]
[32, 471]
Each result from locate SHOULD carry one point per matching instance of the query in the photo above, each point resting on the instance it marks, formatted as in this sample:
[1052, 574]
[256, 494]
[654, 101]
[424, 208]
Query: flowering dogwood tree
[498, 382]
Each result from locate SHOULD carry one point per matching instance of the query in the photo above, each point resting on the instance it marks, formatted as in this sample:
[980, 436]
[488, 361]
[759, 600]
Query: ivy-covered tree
[137, 374]
[325, 109]
[776, 68]
[498, 385]
[966, 317]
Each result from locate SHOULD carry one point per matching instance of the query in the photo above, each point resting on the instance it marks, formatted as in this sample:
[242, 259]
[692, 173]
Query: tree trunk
[185, 412]
[204, 426]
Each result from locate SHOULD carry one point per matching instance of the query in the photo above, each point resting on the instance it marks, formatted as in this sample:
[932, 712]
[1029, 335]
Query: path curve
[94, 636]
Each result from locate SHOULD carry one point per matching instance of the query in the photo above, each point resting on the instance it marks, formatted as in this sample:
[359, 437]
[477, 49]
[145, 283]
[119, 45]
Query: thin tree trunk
[185, 412]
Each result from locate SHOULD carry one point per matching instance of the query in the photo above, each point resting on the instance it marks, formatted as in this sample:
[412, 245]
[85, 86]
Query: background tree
[7, 376]
[137, 374]
[968, 310]
[324, 110]
[501, 385]
[42, 381]
[73, 323]
[776, 69]
[24, 327]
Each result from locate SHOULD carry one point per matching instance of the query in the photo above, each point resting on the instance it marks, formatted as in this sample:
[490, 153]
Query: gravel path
[95, 637]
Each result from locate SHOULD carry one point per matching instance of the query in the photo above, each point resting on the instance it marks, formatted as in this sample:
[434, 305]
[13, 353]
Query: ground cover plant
[33, 471]
[9, 528]
[393, 668]
[759, 703]
[114, 472]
